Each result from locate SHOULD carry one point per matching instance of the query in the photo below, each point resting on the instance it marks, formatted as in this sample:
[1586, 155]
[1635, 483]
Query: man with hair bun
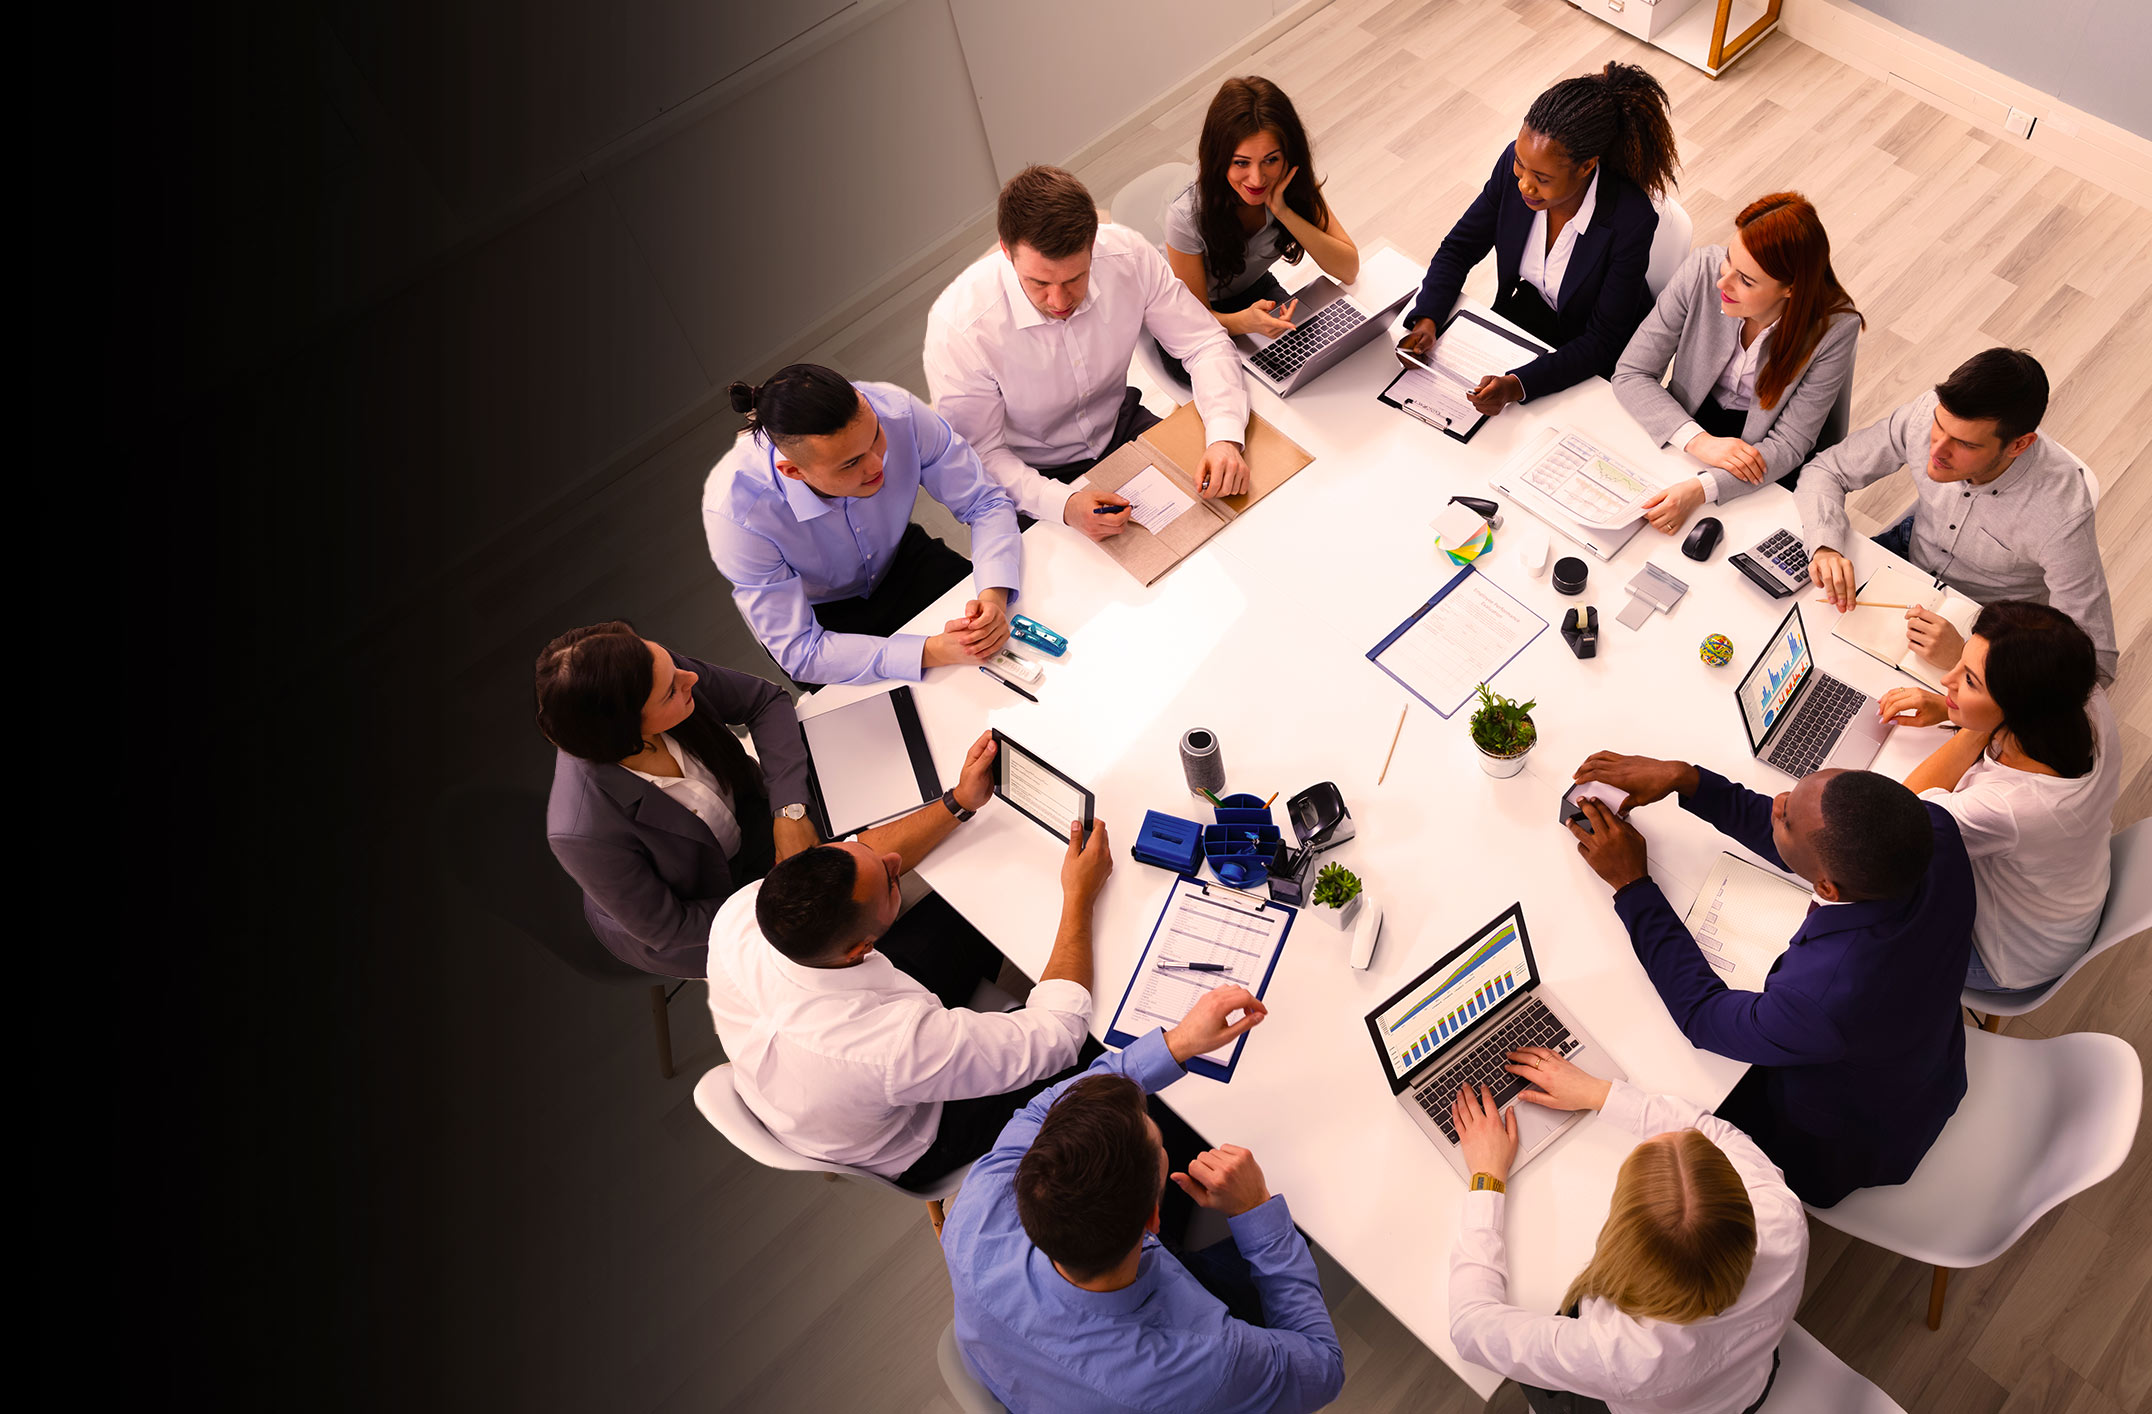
[1856, 1043]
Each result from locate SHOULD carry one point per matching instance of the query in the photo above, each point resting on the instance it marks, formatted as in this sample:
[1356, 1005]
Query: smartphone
[1613, 798]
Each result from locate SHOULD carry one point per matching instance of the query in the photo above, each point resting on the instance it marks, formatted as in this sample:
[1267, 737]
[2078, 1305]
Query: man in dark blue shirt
[1857, 1039]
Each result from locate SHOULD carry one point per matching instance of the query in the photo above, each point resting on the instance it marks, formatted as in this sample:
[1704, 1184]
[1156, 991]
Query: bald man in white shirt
[1027, 354]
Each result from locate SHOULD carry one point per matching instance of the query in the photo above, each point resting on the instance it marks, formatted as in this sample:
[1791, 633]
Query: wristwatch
[949, 799]
[792, 812]
[1487, 1182]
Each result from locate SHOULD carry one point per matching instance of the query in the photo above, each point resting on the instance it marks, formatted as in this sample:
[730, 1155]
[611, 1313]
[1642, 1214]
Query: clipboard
[1388, 396]
[870, 777]
[1271, 921]
[1175, 446]
[1509, 604]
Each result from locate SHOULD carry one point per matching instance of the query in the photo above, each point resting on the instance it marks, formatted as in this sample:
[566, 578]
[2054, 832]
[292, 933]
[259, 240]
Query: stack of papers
[1743, 918]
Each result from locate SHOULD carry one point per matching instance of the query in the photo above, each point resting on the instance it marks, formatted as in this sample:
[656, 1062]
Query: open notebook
[1881, 632]
[1159, 473]
[1743, 918]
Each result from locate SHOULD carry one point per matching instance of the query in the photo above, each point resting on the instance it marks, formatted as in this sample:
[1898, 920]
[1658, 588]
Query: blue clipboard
[1274, 915]
[1374, 655]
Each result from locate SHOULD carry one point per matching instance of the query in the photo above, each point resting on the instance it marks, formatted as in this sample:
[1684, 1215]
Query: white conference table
[1261, 636]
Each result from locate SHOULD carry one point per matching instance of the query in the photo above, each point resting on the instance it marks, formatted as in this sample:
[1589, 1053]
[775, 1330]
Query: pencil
[1273, 796]
[1879, 604]
[1213, 799]
[1393, 742]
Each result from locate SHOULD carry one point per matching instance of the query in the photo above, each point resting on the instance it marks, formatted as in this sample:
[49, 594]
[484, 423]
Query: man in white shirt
[1027, 354]
[849, 1040]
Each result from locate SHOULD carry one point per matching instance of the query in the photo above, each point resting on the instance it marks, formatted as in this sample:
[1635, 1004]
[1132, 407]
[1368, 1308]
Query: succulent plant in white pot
[1337, 896]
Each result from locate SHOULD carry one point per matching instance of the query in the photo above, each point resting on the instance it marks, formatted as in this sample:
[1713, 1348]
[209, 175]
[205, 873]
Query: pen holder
[1243, 809]
[1241, 855]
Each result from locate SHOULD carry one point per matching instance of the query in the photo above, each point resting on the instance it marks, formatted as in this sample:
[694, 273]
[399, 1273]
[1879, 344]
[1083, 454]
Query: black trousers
[1131, 422]
[1265, 288]
[1731, 422]
[1522, 305]
[922, 570]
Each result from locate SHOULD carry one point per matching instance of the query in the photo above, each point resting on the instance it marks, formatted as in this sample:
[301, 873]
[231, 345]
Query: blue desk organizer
[1169, 842]
[1244, 844]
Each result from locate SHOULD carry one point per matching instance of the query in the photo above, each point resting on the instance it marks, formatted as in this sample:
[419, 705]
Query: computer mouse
[1703, 539]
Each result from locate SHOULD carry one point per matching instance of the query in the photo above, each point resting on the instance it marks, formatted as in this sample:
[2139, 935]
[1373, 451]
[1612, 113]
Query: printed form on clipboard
[1236, 936]
[1468, 349]
[1470, 630]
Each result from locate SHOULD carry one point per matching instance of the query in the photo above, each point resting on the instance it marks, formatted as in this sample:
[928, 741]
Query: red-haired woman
[1254, 201]
[1761, 337]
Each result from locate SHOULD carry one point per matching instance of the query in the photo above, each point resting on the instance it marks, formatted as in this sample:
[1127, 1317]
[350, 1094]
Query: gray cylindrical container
[1201, 760]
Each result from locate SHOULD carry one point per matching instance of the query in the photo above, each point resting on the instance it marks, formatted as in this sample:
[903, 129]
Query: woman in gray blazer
[1761, 338]
[657, 811]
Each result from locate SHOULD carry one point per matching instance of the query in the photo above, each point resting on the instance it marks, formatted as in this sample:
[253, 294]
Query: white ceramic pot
[1340, 918]
[1501, 766]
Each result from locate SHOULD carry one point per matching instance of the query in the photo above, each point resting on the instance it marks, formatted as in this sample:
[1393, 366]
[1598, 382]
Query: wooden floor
[654, 1268]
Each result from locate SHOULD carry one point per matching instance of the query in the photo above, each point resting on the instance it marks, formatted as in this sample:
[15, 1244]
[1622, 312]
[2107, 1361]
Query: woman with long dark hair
[657, 811]
[2031, 777]
[1255, 201]
[1761, 338]
[1692, 1282]
[1568, 214]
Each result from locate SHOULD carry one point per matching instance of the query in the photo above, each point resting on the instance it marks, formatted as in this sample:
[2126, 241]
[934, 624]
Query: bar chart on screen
[1423, 1023]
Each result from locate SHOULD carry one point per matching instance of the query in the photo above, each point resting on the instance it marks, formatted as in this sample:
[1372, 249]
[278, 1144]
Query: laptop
[1456, 1023]
[1328, 326]
[1800, 718]
[1776, 564]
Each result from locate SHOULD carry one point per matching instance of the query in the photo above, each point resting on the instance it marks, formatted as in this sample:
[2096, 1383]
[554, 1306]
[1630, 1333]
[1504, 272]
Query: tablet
[1038, 790]
[867, 762]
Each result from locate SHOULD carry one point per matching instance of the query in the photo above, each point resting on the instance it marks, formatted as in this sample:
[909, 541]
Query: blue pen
[1196, 966]
[1109, 510]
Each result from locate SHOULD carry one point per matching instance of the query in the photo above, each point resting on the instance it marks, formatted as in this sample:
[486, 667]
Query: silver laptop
[1456, 1023]
[1776, 564]
[1328, 326]
[1800, 718]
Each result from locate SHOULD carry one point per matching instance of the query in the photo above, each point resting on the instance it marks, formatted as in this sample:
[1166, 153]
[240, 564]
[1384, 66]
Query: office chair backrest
[1838, 421]
[1141, 205]
[2092, 482]
[1811, 1380]
[491, 840]
[1669, 245]
[719, 1101]
[2128, 912]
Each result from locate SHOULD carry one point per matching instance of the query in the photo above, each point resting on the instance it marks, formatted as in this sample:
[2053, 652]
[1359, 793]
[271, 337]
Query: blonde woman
[1695, 1277]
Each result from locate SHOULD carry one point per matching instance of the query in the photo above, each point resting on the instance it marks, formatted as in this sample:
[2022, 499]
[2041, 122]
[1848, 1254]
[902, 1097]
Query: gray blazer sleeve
[770, 720]
[1637, 385]
[615, 874]
[1807, 403]
[1865, 457]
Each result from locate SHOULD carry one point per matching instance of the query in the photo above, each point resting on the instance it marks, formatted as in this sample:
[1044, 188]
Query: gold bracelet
[1488, 1183]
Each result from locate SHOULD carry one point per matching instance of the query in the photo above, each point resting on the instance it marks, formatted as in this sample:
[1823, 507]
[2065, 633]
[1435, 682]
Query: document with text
[1457, 640]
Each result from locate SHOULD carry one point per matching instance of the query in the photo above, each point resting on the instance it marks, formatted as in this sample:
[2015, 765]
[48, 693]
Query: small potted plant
[1337, 896]
[1503, 732]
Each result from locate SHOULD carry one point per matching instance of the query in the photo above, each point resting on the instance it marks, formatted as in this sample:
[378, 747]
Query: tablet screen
[1037, 789]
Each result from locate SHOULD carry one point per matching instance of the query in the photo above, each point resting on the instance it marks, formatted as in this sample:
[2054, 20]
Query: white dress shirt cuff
[1062, 995]
[1225, 427]
[1710, 485]
[1042, 497]
[1683, 435]
[1483, 1210]
[1624, 1107]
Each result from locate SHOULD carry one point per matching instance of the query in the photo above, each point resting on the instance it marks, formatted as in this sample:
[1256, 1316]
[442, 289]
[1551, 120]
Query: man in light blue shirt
[1066, 1300]
[809, 518]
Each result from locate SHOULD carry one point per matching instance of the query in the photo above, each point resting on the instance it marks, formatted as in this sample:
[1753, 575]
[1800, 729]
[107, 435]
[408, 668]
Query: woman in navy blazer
[1568, 214]
[657, 811]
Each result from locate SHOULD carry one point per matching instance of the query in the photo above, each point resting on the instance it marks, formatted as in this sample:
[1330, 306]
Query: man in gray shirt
[2001, 512]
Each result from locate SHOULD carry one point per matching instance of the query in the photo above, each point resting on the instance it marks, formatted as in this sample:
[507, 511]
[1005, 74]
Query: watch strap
[1488, 1183]
[949, 799]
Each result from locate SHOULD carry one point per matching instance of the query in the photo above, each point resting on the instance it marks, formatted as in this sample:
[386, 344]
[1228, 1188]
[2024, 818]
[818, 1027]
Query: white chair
[971, 1397]
[2092, 482]
[2041, 1121]
[2128, 913]
[1669, 245]
[729, 1115]
[1141, 206]
[1811, 1380]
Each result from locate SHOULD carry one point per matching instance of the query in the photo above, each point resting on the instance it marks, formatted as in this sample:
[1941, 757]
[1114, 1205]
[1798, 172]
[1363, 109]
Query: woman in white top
[1761, 338]
[1694, 1279]
[1254, 202]
[2031, 777]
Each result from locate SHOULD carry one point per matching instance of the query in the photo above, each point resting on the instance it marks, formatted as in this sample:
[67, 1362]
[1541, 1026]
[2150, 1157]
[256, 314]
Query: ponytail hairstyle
[1243, 108]
[1785, 236]
[592, 684]
[799, 400]
[1679, 1239]
[1618, 115]
[2041, 672]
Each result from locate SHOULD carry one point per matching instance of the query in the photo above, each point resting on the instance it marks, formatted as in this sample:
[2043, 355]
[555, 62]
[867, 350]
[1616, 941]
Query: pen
[1195, 966]
[1109, 510]
[1009, 685]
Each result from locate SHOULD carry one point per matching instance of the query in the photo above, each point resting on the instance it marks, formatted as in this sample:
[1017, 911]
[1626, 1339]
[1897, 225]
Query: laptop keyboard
[1330, 324]
[1783, 549]
[1812, 733]
[1531, 1025]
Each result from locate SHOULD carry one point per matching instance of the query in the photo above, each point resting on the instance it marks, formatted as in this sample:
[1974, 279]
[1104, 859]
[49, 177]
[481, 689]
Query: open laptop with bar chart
[1456, 1023]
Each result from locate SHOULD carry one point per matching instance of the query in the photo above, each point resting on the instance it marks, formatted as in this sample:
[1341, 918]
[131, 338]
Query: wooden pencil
[1393, 743]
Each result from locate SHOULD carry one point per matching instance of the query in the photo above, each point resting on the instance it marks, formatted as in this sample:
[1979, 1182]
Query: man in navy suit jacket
[1857, 1037]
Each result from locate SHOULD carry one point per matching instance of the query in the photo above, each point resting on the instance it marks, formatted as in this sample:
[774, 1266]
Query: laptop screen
[1444, 1003]
[1770, 685]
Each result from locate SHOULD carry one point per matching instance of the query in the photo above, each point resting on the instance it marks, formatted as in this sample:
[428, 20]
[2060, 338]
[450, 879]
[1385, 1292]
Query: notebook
[1880, 632]
[1743, 918]
[1159, 473]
